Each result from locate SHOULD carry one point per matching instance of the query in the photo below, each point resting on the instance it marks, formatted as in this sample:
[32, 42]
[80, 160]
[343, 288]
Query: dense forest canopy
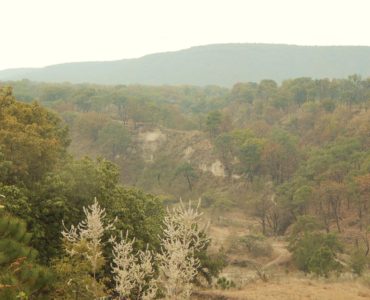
[279, 132]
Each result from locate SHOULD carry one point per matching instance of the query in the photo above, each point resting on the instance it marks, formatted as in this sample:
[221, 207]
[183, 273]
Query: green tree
[213, 123]
[225, 148]
[187, 170]
[114, 139]
[89, 124]
[121, 102]
[267, 89]
[32, 138]
[244, 92]
[20, 276]
[250, 153]
[359, 262]
[138, 213]
[314, 251]
[62, 194]
[280, 156]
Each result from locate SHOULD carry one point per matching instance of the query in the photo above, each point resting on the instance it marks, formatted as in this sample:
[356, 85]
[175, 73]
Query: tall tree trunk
[189, 183]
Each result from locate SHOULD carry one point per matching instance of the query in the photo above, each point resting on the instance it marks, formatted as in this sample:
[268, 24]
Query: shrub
[358, 262]
[224, 283]
[211, 264]
[322, 261]
[328, 105]
[316, 253]
[257, 245]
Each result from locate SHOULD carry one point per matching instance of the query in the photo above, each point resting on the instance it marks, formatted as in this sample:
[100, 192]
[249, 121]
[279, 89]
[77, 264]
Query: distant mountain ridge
[219, 64]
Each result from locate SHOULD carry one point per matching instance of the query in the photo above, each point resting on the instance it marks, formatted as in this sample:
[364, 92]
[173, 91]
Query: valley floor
[283, 281]
[294, 288]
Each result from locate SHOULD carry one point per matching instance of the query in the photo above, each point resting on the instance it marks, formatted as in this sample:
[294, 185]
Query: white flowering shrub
[133, 274]
[133, 271]
[183, 236]
[85, 239]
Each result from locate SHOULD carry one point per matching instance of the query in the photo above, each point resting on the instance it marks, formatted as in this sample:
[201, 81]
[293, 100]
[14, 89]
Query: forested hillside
[288, 161]
[57, 241]
[223, 64]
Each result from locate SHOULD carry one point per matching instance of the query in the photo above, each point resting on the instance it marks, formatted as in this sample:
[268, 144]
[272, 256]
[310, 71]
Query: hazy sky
[35, 33]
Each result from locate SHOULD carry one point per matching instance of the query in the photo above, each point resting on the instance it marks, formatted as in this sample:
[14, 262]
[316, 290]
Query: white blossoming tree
[183, 236]
[133, 274]
[85, 239]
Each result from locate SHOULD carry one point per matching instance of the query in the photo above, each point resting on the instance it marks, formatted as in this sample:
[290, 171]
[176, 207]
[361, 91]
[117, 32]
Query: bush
[217, 201]
[114, 139]
[316, 253]
[358, 262]
[323, 261]
[224, 283]
[257, 245]
[211, 264]
[328, 105]
[207, 200]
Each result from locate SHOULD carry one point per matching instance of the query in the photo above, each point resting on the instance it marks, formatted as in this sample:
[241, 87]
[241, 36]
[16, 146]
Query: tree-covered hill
[222, 64]
[288, 160]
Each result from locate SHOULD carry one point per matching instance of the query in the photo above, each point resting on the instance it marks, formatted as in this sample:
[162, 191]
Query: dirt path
[280, 286]
[283, 255]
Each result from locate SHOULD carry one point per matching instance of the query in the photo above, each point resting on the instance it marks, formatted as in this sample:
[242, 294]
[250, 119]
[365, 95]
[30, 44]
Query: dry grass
[292, 288]
[281, 286]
